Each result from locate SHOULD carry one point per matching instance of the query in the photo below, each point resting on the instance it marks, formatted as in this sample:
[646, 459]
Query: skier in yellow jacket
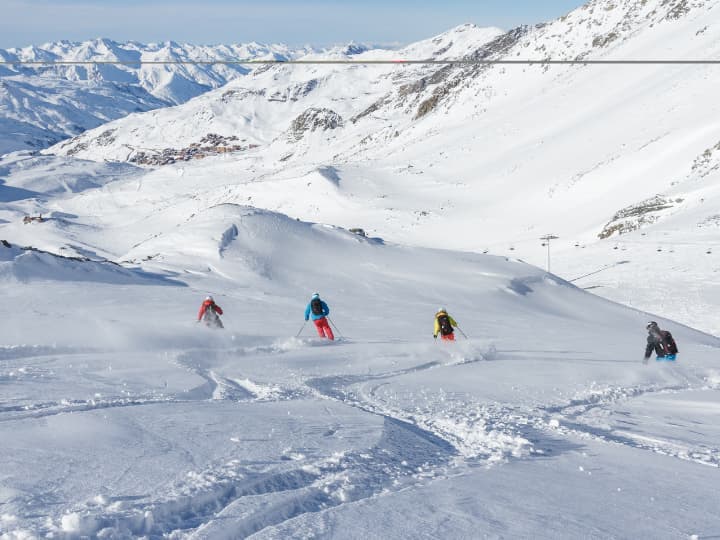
[444, 325]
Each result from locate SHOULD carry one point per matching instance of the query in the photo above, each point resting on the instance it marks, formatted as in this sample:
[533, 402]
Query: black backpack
[316, 306]
[669, 343]
[445, 326]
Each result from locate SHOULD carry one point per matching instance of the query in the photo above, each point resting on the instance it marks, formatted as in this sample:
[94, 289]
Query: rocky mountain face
[314, 119]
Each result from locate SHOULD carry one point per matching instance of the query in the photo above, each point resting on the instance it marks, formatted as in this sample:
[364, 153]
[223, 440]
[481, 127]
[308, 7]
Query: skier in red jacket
[209, 313]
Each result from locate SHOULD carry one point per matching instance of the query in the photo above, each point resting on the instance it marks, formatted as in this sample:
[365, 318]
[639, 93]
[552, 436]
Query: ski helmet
[316, 295]
[209, 298]
[441, 309]
[651, 325]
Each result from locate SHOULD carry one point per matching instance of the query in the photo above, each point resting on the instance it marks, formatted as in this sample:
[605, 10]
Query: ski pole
[301, 329]
[336, 328]
[463, 333]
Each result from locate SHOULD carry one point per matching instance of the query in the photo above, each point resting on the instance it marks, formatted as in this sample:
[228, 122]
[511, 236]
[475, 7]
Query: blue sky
[316, 22]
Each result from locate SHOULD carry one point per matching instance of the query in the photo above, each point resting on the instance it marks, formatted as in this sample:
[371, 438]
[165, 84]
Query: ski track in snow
[445, 435]
[223, 388]
[568, 420]
[291, 491]
[269, 497]
[51, 408]
[17, 352]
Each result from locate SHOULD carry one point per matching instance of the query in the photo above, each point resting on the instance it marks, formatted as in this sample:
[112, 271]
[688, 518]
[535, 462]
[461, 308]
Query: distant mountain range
[42, 104]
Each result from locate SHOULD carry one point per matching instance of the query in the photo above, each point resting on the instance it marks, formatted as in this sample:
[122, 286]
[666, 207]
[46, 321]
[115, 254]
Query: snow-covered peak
[452, 44]
[347, 50]
[601, 27]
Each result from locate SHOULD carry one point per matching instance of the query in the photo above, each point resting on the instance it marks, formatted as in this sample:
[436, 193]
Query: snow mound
[29, 264]
[234, 237]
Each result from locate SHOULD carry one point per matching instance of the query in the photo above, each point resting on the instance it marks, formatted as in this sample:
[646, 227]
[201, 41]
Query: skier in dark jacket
[319, 310]
[660, 341]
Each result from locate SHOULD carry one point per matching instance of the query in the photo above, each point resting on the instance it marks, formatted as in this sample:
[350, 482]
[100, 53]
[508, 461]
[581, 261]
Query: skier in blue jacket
[319, 310]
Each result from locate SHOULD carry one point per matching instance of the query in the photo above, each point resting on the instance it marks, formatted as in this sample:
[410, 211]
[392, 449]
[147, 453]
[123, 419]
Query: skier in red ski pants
[319, 310]
[323, 328]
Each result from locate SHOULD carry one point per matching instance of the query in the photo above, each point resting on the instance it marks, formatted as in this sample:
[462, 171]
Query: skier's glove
[434, 336]
[306, 319]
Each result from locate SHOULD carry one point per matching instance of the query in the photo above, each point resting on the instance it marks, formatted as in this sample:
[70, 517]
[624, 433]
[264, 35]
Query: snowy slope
[481, 157]
[121, 418]
[41, 105]
[38, 112]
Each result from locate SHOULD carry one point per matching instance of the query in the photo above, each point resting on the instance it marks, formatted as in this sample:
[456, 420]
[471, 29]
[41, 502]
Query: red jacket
[209, 304]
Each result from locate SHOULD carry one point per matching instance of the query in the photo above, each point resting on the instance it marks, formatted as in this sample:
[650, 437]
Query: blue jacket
[309, 313]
